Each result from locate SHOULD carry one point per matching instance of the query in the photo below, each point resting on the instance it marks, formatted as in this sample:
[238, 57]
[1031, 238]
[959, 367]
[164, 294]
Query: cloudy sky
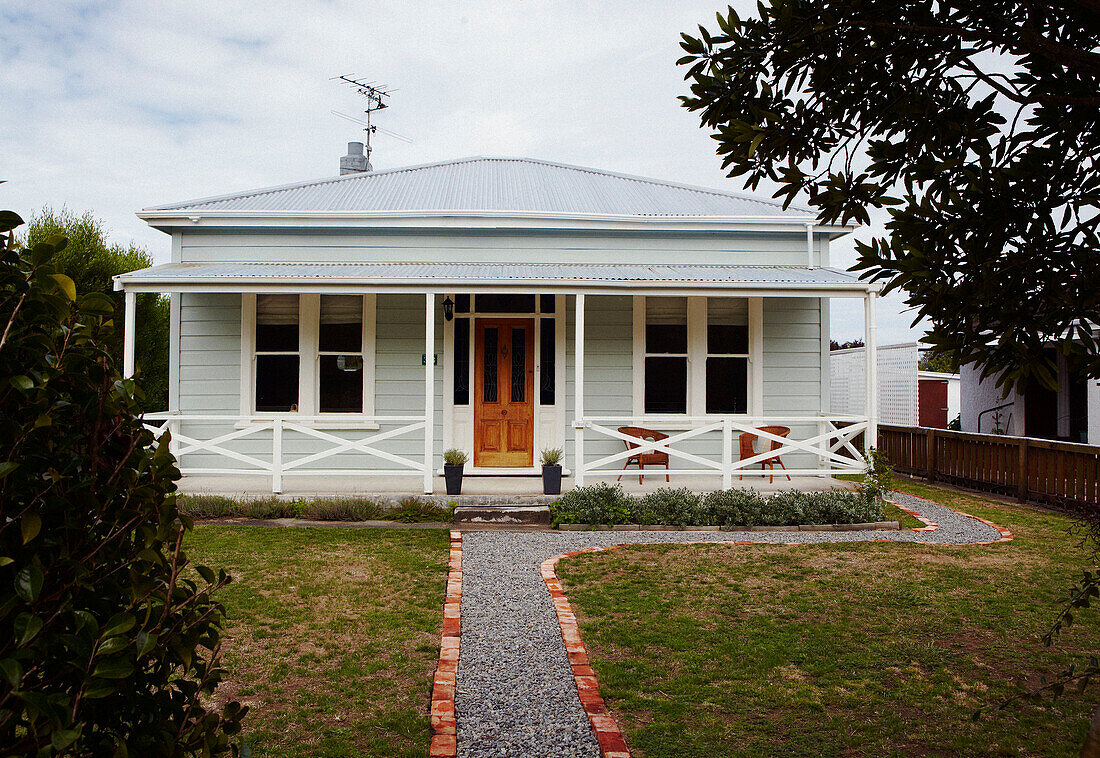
[114, 106]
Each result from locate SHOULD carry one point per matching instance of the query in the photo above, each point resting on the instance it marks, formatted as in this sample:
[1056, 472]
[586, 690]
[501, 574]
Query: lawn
[872, 649]
[332, 635]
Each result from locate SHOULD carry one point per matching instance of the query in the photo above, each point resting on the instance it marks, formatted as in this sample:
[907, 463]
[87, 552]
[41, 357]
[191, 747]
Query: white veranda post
[871, 368]
[578, 395]
[130, 327]
[429, 390]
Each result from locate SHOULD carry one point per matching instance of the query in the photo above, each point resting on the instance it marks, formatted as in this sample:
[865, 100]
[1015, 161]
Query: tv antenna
[375, 95]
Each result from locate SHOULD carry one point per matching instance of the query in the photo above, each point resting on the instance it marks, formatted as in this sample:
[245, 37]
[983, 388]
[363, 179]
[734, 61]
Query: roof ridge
[471, 159]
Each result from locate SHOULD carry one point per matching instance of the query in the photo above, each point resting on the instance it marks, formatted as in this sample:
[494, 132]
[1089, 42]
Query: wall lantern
[448, 308]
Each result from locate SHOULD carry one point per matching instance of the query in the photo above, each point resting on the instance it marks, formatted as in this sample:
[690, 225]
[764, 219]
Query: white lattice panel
[897, 383]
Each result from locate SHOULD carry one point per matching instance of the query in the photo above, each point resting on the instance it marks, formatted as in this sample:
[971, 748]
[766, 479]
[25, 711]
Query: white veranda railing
[830, 443]
[332, 437]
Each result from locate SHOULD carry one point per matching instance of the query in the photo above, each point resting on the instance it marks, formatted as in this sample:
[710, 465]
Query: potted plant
[453, 461]
[551, 471]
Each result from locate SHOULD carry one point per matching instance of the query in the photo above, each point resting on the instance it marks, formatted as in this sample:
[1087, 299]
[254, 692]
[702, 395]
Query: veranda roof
[609, 278]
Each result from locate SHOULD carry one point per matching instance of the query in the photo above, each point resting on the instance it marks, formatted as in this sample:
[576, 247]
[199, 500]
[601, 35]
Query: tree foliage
[975, 124]
[92, 262]
[109, 638]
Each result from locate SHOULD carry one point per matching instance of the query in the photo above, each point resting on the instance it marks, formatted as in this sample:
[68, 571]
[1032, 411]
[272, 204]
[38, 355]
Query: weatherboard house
[340, 334]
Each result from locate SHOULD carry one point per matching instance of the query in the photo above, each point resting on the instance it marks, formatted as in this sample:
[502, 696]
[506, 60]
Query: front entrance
[504, 405]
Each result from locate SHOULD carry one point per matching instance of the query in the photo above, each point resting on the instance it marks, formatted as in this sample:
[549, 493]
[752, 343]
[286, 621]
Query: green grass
[332, 635]
[893, 513]
[871, 649]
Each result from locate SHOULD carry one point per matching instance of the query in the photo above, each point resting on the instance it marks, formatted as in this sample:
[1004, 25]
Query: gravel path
[516, 695]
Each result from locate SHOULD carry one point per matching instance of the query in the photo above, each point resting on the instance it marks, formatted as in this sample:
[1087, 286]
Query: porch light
[448, 308]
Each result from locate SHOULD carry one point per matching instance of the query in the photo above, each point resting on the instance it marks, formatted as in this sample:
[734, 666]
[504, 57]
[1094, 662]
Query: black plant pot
[453, 475]
[551, 480]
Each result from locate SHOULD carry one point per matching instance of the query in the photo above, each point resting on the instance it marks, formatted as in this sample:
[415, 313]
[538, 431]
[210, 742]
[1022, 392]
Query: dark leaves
[989, 173]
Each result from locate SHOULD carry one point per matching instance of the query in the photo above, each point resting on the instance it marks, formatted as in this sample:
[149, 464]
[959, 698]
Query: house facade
[356, 327]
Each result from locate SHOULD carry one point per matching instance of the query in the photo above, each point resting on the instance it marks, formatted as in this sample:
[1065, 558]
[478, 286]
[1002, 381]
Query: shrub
[552, 457]
[735, 507]
[604, 504]
[109, 637]
[414, 510]
[344, 509]
[454, 457]
[680, 507]
[594, 504]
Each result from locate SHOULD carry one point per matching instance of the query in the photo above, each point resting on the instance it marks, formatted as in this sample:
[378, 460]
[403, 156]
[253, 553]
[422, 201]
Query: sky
[110, 107]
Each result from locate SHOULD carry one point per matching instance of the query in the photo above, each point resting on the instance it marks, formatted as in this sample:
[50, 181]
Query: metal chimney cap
[355, 162]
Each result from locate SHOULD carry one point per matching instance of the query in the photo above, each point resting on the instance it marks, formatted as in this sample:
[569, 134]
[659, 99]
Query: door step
[503, 515]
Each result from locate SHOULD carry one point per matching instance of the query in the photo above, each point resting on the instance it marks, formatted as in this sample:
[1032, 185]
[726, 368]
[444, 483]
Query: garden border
[610, 737]
[444, 731]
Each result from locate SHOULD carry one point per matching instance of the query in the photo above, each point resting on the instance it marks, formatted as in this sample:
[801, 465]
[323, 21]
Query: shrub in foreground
[109, 638]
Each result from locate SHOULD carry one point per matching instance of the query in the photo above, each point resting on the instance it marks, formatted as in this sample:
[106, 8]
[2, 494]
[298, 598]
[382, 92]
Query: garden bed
[867, 526]
[606, 506]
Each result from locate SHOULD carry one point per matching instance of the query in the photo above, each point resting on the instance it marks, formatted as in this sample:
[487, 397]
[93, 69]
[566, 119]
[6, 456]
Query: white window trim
[309, 321]
[697, 360]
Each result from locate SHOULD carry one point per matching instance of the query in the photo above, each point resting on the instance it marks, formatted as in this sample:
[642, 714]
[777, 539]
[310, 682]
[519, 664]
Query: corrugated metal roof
[520, 185]
[485, 273]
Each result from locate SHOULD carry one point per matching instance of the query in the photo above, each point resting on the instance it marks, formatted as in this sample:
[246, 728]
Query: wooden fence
[1057, 473]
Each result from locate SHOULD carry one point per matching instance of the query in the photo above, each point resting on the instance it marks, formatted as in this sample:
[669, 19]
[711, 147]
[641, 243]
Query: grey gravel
[515, 693]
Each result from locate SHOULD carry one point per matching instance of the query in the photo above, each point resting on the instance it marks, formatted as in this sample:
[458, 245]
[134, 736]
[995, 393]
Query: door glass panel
[489, 366]
[519, 365]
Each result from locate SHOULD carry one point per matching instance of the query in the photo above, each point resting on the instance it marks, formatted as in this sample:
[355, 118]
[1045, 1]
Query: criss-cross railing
[831, 444]
[360, 435]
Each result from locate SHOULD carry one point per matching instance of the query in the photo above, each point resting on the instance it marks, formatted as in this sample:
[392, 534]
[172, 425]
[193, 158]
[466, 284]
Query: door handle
[504, 413]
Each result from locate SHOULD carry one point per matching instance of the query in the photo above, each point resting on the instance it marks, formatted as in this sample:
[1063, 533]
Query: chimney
[355, 162]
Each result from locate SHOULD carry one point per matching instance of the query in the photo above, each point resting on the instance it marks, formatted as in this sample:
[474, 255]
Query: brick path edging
[608, 734]
[444, 732]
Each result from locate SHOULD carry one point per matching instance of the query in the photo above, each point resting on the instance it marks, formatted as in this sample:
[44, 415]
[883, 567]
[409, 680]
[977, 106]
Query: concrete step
[503, 515]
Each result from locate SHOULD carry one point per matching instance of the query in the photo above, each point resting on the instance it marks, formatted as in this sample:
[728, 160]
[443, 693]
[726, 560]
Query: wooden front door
[504, 406]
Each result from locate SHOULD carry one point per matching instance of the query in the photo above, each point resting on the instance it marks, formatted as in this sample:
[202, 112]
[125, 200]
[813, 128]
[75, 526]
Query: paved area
[515, 690]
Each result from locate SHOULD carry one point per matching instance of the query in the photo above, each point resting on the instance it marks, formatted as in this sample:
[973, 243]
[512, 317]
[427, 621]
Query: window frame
[309, 361]
[697, 354]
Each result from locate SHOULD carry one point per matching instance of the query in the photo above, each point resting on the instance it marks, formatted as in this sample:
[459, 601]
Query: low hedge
[410, 510]
[606, 504]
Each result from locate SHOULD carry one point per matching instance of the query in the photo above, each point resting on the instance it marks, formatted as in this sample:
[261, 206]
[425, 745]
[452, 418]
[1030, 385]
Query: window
[692, 355]
[547, 365]
[666, 355]
[278, 355]
[504, 303]
[308, 354]
[462, 360]
[727, 355]
[340, 354]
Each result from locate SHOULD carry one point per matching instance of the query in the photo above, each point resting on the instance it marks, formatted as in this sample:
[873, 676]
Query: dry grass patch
[332, 635]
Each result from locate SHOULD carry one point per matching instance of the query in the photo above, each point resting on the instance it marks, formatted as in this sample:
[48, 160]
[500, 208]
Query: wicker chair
[651, 458]
[748, 451]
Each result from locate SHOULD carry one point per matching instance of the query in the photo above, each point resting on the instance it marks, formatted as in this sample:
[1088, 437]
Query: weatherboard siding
[210, 364]
[201, 246]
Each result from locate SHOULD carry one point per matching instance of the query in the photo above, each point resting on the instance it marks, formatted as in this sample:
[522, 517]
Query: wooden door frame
[477, 343]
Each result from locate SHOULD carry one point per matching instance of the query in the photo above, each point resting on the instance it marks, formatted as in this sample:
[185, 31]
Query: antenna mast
[375, 94]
